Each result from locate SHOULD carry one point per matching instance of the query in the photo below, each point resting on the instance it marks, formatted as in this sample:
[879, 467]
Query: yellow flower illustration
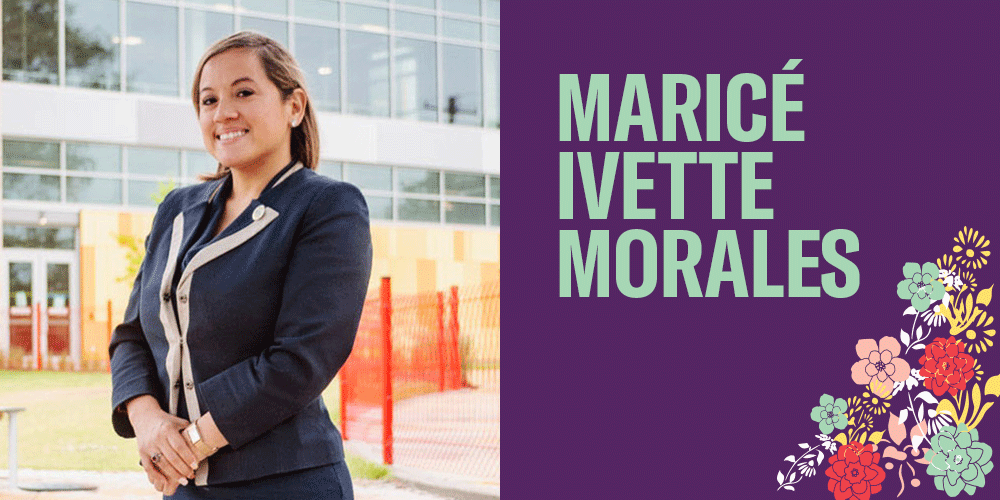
[971, 248]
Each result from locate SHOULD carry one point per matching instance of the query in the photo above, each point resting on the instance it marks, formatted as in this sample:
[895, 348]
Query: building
[97, 124]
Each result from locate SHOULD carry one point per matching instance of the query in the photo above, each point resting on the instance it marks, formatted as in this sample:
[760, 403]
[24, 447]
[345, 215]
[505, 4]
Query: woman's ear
[297, 106]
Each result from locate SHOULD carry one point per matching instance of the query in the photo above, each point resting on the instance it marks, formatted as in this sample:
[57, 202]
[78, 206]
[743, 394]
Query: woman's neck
[248, 183]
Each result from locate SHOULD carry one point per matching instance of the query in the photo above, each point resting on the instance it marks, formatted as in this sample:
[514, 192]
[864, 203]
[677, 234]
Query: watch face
[193, 434]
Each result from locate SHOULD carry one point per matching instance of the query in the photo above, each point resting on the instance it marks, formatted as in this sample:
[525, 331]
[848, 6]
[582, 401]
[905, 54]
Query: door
[43, 311]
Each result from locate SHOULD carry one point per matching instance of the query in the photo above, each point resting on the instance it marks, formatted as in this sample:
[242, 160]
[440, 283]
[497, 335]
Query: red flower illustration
[854, 472]
[947, 367]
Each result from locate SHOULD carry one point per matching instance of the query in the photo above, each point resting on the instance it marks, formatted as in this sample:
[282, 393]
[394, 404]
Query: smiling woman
[269, 242]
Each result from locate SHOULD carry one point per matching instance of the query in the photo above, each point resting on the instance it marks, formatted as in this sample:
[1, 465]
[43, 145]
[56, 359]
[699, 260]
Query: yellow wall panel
[380, 242]
[426, 275]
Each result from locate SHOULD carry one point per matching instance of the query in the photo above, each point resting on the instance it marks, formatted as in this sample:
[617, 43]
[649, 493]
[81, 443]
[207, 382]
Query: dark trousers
[329, 482]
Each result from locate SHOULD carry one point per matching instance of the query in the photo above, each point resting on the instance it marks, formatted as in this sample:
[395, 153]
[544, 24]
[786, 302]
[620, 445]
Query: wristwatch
[199, 444]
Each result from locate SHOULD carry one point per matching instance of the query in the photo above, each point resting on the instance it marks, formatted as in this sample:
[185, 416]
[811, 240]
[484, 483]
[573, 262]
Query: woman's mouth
[231, 136]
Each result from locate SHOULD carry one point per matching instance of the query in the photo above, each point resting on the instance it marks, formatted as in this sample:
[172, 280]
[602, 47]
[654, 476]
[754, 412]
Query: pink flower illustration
[879, 366]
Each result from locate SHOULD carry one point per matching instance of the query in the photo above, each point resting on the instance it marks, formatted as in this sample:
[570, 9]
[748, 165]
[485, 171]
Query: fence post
[386, 301]
[442, 355]
[110, 329]
[38, 339]
[456, 361]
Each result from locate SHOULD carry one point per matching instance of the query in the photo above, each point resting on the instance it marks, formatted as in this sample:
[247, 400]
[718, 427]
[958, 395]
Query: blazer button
[166, 296]
[177, 385]
[189, 386]
[182, 298]
[258, 212]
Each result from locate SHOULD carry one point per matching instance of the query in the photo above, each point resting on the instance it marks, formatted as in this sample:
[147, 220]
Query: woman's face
[244, 121]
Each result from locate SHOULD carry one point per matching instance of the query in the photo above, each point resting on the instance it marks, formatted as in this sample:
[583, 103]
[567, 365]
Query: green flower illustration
[921, 285]
[830, 414]
[958, 461]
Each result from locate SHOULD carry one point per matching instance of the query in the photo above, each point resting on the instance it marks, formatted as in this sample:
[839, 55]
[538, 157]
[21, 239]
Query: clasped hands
[167, 454]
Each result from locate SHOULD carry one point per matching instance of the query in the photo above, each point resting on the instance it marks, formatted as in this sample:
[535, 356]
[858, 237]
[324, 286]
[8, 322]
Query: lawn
[67, 425]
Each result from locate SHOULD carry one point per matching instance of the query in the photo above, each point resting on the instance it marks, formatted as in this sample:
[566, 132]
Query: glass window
[494, 187]
[18, 236]
[415, 180]
[201, 30]
[415, 23]
[83, 157]
[33, 154]
[200, 162]
[30, 43]
[89, 190]
[419, 210]
[465, 184]
[491, 87]
[318, 53]
[493, 9]
[277, 30]
[493, 34]
[366, 17]
[464, 213]
[30, 187]
[468, 7]
[427, 4]
[462, 84]
[379, 207]
[332, 169]
[92, 42]
[213, 3]
[146, 193]
[416, 80]
[495, 215]
[151, 49]
[269, 6]
[324, 10]
[370, 176]
[368, 65]
[154, 161]
[465, 30]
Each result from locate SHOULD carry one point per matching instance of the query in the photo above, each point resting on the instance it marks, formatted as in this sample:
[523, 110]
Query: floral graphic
[830, 414]
[971, 251]
[854, 472]
[958, 461]
[919, 403]
[921, 285]
[947, 367]
[880, 364]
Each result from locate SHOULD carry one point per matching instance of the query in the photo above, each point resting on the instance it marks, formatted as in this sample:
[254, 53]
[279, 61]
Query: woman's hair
[285, 74]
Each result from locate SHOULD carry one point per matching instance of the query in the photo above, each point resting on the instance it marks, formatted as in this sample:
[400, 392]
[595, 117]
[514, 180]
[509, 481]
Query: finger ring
[156, 457]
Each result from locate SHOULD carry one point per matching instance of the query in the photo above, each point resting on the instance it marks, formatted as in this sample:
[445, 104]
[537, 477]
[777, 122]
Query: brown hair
[285, 74]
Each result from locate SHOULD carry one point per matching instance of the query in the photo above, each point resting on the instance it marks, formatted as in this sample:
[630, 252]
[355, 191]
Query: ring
[156, 457]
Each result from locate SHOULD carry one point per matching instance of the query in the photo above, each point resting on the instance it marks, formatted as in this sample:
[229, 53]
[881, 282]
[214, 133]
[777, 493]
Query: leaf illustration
[789, 488]
[918, 346]
[790, 458]
[927, 396]
[917, 433]
[897, 431]
[791, 478]
[981, 415]
[977, 399]
[876, 437]
[819, 457]
[781, 477]
[993, 386]
[920, 412]
[804, 446]
[841, 438]
[985, 296]
[905, 337]
[902, 419]
[909, 311]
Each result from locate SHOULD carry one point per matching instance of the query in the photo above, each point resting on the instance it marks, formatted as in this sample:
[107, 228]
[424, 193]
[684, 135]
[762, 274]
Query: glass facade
[369, 57]
[113, 175]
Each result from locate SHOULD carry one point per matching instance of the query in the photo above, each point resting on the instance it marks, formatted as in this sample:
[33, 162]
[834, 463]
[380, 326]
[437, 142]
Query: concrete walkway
[134, 486]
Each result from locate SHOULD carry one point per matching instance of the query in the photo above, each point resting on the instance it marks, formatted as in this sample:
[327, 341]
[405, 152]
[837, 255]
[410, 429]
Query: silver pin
[258, 212]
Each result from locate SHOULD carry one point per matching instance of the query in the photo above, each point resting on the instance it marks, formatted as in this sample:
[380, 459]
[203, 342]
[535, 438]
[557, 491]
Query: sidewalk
[134, 486]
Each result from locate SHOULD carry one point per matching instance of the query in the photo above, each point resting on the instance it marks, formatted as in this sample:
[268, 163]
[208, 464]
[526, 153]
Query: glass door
[43, 314]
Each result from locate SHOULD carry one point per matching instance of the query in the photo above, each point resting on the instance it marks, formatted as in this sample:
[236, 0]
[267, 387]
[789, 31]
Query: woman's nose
[225, 111]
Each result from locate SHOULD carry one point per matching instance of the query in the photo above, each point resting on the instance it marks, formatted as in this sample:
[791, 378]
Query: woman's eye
[244, 93]
[208, 101]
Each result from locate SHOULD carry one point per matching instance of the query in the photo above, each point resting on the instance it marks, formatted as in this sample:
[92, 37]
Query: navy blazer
[255, 326]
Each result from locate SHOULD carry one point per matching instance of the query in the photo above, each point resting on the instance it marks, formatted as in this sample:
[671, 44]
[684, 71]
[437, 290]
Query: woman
[248, 299]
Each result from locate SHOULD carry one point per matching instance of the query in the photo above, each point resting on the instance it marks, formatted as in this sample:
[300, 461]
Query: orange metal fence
[434, 404]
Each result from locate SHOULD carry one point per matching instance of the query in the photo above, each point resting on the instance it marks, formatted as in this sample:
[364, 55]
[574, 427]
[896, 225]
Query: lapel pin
[258, 212]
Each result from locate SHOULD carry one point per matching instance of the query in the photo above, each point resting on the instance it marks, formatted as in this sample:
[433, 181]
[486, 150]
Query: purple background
[702, 398]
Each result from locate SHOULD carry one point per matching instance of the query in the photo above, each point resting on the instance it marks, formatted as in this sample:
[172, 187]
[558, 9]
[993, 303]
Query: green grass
[67, 425]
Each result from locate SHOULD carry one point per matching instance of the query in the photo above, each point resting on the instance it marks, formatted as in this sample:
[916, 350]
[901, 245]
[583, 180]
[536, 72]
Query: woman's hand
[166, 456]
